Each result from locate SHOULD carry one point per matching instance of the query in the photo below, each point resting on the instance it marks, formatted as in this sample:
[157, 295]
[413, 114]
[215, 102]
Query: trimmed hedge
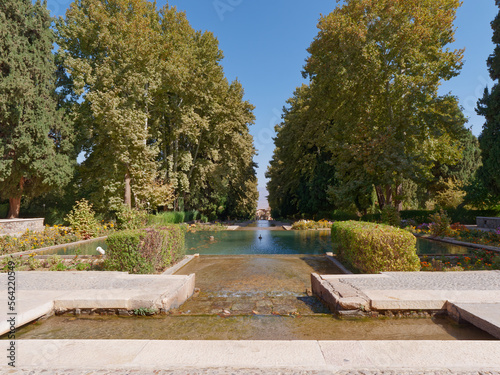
[457, 215]
[374, 248]
[145, 251]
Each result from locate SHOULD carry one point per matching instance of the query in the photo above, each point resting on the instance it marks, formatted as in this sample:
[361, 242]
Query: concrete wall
[488, 222]
[16, 227]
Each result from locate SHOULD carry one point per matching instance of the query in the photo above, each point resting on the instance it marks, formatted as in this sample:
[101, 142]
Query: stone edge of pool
[472, 297]
[55, 247]
[40, 294]
[264, 356]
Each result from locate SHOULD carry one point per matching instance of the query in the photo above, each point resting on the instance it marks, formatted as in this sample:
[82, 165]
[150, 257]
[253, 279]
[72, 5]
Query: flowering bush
[440, 225]
[311, 224]
[33, 262]
[50, 236]
[30, 240]
[478, 260]
[82, 220]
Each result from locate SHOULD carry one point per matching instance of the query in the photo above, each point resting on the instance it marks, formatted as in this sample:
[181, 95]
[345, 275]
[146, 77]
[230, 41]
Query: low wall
[16, 227]
[488, 222]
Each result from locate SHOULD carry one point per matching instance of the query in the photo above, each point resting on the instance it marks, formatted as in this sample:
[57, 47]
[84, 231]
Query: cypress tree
[489, 107]
[35, 144]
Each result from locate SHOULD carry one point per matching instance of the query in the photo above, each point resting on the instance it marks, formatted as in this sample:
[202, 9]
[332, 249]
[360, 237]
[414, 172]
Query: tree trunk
[14, 207]
[398, 203]
[128, 191]
[380, 197]
[388, 195]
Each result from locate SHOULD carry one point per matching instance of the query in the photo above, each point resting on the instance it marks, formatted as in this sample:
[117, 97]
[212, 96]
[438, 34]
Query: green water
[258, 242]
[427, 247]
[261, 241]
[88, 248]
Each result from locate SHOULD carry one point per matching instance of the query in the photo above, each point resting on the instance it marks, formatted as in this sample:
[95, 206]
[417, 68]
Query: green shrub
[343, 216]
[440, 223]
[374, 248]
[192, 215]
[82, 220]
[167, 217]
[145, 251]
[128, 219]
[390, 216]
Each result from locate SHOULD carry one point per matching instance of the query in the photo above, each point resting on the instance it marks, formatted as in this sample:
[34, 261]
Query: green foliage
[29, 240]
[127, 218]
[489, 107]
[440, 223]
[311, 224]
[4, 209]
[171, 217]
[161, 123]
[36, 140]
[82, 220]
[192, 215]
[374, 248]
[344, 137]
[145, 311]
[390, 216]
[300, 171]
[145, 251]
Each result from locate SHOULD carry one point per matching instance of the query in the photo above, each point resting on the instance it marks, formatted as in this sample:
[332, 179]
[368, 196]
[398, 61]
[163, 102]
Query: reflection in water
[82, 249]
[425, 246]
[259, 242]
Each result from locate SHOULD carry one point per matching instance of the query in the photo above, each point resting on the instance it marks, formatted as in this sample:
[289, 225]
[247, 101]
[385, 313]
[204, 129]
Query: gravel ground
[243, 371]
[471, 280]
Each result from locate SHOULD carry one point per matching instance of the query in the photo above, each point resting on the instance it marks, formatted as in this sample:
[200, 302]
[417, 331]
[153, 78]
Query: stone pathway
[246, 371]
[254, 357]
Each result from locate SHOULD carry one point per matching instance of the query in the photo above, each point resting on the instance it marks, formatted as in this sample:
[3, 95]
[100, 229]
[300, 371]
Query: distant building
[263, 214]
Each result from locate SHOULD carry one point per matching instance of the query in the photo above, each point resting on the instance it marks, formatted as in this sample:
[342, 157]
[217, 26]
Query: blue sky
[265, 42]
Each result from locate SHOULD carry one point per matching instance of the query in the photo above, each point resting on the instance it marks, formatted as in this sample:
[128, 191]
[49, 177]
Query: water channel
[254, 284]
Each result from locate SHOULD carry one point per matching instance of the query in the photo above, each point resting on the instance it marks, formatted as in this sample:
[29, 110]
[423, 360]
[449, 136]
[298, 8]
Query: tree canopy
[371, 111]
[489, 107]
[36, 153]
[161, 122]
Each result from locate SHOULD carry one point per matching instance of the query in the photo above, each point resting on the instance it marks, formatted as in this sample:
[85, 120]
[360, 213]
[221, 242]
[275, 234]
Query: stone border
[459, 243]
[334, 260]
[253, 357]
[55, 247]
[340, 297]
[176, 267]
[16, 227]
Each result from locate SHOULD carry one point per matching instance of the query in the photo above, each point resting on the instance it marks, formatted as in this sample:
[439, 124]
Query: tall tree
[35, 140]
[109, 50]
[489, 107]
[375, 68]
[160, 114]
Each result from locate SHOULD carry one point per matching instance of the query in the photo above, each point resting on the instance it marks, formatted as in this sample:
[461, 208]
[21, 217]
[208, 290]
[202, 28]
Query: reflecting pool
[88, 248]
[259, 242]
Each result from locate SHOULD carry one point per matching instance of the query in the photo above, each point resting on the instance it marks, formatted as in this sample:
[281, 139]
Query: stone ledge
[484, 316]
[311, 357]
[339, 296]
[16, 227]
